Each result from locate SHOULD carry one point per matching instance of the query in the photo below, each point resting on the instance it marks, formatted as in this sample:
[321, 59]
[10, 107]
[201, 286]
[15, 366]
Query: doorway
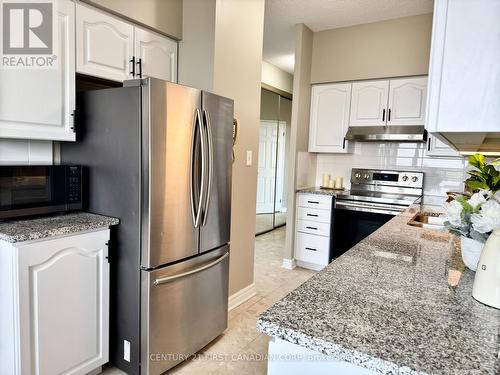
[274, 133]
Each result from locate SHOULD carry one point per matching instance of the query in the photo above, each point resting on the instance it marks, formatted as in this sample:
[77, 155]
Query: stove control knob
[414, 178]
[405, 178]
[357, 175]
[366, 176]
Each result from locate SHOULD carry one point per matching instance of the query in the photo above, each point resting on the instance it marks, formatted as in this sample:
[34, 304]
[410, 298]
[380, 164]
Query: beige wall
[277, 78]
[237, 74]
[299, 136]
[196, 49]
[398, 47]
[164, 16]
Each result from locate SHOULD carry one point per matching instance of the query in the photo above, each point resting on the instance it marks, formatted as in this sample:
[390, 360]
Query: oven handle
[368, 207]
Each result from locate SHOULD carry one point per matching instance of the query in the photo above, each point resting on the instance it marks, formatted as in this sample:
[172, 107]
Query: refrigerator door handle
[208, 125]
[196, 211]
[168, 279]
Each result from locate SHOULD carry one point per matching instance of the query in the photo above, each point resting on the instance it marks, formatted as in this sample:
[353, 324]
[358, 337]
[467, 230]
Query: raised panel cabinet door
[407, 100]
[157, 54]
[369, 103]
[104, 45]
[464, 73]
[38, 103]
[436, 147]
[64, 304]
[329, 117]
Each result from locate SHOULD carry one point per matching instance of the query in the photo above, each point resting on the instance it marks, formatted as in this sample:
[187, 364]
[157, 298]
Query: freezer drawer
[184, 307]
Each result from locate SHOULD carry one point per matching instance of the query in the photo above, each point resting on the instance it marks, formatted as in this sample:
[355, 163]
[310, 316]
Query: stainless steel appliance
[375, 197]
[35, 190]
[159, 158]
[395, 133]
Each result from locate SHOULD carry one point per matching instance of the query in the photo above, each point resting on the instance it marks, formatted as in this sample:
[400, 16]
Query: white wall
[14, 151]
[441, 174]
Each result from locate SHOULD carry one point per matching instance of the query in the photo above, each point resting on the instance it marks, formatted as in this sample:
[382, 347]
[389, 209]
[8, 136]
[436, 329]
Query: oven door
[354, 221]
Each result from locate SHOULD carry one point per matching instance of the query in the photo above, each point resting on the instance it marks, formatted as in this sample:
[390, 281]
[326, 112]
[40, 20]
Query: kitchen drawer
[315, 201]
[312, 249]
[314, 214]
[313, 227]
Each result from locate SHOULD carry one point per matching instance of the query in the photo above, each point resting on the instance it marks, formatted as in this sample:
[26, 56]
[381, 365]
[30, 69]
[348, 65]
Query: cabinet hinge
[73, 125]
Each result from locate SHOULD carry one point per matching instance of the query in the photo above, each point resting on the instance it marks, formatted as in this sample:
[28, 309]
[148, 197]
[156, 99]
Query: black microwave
[37, 190]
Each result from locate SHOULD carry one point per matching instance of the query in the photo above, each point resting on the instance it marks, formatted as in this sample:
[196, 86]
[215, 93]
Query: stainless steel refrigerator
[157, 155]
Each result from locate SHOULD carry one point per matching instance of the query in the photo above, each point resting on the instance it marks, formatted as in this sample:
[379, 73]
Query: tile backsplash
[25, 152]
[441, 174]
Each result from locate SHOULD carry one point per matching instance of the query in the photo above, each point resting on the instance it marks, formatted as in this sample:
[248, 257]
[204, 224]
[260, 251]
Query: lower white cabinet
[54, 305]
[312, 230]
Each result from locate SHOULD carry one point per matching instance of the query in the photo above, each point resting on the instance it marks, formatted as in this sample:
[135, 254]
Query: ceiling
[282, 15]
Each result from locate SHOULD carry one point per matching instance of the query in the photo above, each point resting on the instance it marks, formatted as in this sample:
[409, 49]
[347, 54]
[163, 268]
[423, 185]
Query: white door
[39, 103]
[104, 45]
[156, 54]
[435, 147]
[267, 167]
[407, 99]
[329, 117]
[64, 304]
[280, 169]
[369, 103]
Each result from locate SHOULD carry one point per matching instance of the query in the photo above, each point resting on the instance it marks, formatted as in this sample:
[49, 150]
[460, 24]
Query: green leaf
[477, 160]
[477, 175]
[475, 185]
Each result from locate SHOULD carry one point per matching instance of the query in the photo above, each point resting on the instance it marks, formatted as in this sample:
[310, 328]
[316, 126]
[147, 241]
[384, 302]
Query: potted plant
[474, 216]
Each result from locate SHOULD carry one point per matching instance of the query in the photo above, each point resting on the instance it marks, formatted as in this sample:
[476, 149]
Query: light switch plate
[126, 350]
[249, 158]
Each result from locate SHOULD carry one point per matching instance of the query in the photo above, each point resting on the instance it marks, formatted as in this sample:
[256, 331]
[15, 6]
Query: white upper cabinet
[330, 105]
[407, 99]
[436, 147]
[104, 45]
[369, 103]
[155, 55]
[464, 72]
[39, 103]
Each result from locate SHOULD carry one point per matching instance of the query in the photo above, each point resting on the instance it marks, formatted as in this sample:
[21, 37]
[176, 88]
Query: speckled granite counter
[50, 226]
[317, 190]
[396, 303]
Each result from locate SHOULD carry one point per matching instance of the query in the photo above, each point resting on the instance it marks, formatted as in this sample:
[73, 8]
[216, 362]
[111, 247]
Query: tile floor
[240, 349]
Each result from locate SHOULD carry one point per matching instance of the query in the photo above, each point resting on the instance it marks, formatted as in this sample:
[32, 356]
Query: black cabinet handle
[429, 144]
[132, 61]
[139, 64]
[383, 114]
[313, 215]
[343, 144]
[389, 115]
[310, 248]
[313, 228]
[313, 202]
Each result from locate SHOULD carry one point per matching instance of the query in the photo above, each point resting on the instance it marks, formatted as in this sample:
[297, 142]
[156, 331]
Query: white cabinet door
[369, 103]
[407, 99]
[156, 54]
[329, 117]
[64, 304]
[39, 103]
[104, 45]
[436, 147]
[464, 69]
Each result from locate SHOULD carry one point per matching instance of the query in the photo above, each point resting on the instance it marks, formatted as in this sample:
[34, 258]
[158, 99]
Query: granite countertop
[317, 190]
[54, 225]
[399, 302]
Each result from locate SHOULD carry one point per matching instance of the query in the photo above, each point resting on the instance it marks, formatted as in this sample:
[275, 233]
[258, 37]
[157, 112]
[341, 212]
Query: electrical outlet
[126, 350]
[249, 158]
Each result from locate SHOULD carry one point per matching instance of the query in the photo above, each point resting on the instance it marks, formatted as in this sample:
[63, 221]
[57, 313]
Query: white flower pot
[486, 287]
[471, 251]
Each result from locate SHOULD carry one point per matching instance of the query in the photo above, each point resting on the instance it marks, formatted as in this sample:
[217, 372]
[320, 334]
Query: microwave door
[171, 172]
[217, 121]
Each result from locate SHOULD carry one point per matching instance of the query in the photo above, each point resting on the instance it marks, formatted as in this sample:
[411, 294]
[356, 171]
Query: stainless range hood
[387, 133]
